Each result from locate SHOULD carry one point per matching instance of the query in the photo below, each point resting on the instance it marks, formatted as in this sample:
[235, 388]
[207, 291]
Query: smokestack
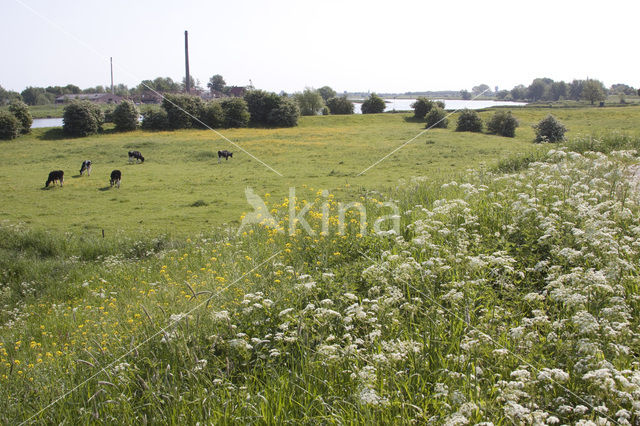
[187, 80]
[111, 61]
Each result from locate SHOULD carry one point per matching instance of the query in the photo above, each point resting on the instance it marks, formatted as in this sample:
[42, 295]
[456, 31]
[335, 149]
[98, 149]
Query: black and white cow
[116, 176]
[226, 154]
[56, 175]
[86, 167]
[136, 156]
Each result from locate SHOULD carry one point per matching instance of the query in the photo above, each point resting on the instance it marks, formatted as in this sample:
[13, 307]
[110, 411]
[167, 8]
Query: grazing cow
[86, 167]
[135, 155]
[116, 176]
[56, 175]
[226, 154]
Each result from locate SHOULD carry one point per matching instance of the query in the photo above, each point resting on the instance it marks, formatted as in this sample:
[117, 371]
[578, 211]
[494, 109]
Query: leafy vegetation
[502, 123]
[340, 105]
[9, 126]
[550, 129]
[82, 118]
[469, 121]
[125, 116]
[21, 111]
[374, 104]
[437, 118]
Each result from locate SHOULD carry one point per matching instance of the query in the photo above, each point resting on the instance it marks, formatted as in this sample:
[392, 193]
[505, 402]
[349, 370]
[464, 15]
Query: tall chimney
[187, 84]
[111, 61]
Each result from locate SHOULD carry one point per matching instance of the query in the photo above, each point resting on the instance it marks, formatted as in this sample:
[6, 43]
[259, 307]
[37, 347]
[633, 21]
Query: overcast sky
[381, 46]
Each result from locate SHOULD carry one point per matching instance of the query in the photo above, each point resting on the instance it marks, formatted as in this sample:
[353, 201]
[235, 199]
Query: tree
[125, 116]
[593, 90]
[30, 95]
[285, 114]
[9, 126]
[260, 103]
[194, 83]
[437, 117]
[575, 89]
[216, 83]
[373, 105]
[477, 90]
[559, 90]
[212, 114]
[155, 119]
[270, 109]
[503, 124]
[236, 113]
[20, 110]
[309, 101]
[519, 92]
[182, 110]
[82, 118]
[537, 89]
[327, 93]
[340, 105]
[465, 94]
[421, 107]
[469, 121]
[8, 96]
[549, 129]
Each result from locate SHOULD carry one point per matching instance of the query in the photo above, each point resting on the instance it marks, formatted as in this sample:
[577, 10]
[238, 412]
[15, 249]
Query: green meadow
[181, 188]
[508, 294]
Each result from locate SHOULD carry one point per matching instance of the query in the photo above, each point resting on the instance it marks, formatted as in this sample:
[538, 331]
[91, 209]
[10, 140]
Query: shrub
[374, 105]
[439, 104]
[503, 124]
[284, 115]
[212, 114]
[9, 126]
[325, 110]
[469, 121]
[309, 101]
[340, 105]
[125, 116]
[182, 110]
[82, 118]
[437, 118]
[236, 113]
[20, 110]
[260, 104]
[549, 129]
[155, 119]
[421, 107]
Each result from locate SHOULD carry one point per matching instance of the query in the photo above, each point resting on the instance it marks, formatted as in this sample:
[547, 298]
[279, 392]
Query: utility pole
[111, 61]
[187, 80]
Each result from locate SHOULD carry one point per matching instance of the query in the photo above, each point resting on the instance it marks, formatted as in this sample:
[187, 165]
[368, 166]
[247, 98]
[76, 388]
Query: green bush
[549, 129]
[469, 121]
[9, 126]
[236, 112]
[20, 110]
[212, 114]
[260, 104]
[437, 118]
[421, 107]
[182, 110]
[82, 118]
[503, 124]
[155, 119]
[309, 101]
[340, 105]
[373, 105]
[284, 115]
[125, 116]
[326, 110]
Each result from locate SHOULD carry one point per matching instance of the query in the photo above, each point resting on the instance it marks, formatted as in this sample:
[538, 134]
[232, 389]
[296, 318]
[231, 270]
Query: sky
[350, 45]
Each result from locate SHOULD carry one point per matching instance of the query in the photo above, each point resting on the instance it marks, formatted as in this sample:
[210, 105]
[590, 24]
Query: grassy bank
[181, 188]
[509, 298]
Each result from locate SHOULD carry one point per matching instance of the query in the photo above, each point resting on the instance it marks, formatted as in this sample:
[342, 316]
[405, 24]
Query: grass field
[181, 188]
[505, 297]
